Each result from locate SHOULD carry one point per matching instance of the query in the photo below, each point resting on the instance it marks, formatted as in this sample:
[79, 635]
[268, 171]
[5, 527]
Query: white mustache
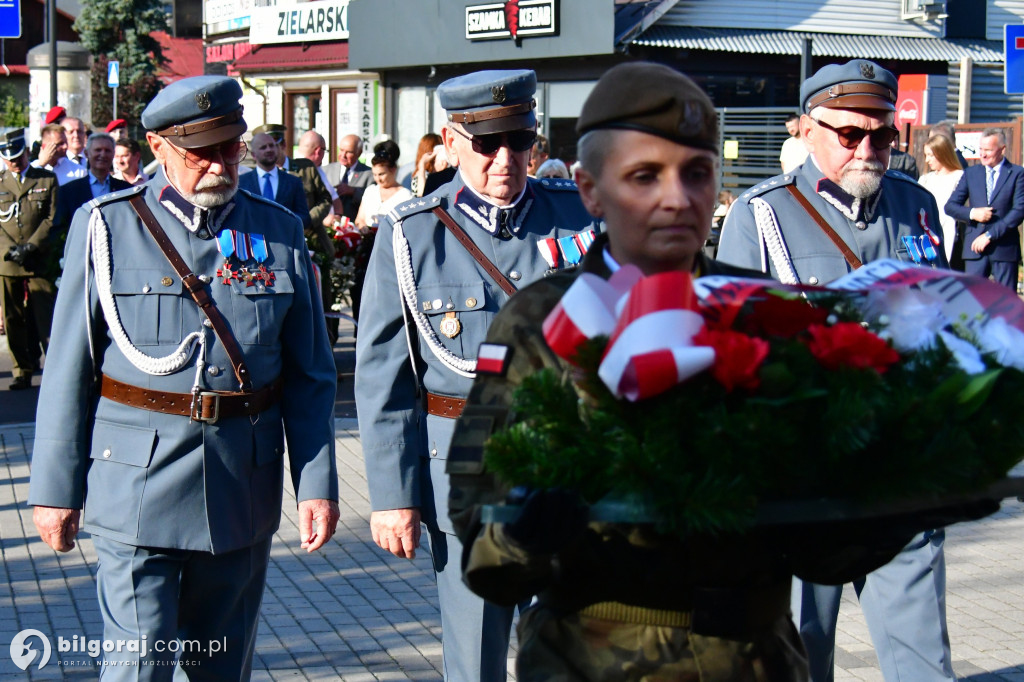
[214, 182]
[866, 166]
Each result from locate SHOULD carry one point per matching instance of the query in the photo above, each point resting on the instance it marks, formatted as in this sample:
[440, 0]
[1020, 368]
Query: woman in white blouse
[940, 156]
[380, 198]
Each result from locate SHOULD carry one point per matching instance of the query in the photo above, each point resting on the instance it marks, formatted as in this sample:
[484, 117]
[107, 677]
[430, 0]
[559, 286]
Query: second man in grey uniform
[426, 307]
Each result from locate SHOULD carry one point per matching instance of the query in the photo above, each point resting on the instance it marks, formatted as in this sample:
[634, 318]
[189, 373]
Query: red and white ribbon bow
[651, 328]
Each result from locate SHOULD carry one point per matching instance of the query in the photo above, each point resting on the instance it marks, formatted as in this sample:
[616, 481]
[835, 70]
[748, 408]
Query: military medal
[450, 325]
[549, 251]
[570, 249]
[240, 249]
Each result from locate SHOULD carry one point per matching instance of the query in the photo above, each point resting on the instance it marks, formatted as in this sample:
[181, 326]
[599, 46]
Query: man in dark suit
[270, 182]
[349, 176]
[99, 150]
[995, 190]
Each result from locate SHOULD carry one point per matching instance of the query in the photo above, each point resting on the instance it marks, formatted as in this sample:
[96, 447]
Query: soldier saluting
[191, 345]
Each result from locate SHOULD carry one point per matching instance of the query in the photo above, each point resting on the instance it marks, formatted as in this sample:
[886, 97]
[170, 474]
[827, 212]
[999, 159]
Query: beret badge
[498, 94]
[203, 100]
[867, 70]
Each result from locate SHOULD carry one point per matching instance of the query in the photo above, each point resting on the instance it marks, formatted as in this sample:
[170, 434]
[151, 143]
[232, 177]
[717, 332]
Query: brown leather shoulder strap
[464, 239]
[847, 252]
[197, 289]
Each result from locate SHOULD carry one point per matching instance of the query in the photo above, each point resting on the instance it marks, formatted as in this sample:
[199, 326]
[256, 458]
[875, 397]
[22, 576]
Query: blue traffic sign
[10, 18]
[1013, 47]
[113, 74]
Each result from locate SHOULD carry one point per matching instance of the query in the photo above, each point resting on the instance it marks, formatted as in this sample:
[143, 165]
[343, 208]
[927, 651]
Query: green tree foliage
[13, 111]
[121, 30]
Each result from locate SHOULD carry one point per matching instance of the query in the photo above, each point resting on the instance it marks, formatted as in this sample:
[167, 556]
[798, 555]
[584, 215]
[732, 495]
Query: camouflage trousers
[560, 648]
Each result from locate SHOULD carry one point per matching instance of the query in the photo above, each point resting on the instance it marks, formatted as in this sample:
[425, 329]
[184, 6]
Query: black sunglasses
[850, 136]
[515, 140]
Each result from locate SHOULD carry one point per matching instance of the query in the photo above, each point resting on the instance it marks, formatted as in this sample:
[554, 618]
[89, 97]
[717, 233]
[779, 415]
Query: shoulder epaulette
[556, 184]
[901, 176]
[119, 195]
[414, 206]
[778, 182]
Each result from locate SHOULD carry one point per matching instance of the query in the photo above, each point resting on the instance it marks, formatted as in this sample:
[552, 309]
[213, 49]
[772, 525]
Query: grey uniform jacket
[872, 228]
[158, 480]
[398, 437]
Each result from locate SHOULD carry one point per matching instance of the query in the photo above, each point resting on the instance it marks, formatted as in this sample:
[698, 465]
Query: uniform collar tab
[494, 218]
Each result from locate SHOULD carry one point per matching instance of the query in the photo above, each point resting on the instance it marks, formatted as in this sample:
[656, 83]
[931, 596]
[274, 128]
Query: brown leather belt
[204, 406]
[444, 406]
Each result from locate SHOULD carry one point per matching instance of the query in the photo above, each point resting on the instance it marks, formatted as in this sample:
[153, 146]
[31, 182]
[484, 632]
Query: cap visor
[503, 124]
[208, 137]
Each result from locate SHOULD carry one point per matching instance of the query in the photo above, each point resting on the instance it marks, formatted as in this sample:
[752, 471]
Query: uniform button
[433, 452]
[437, 303]
[861, 225]
[260, 287]
[205, 279]
[146, 289]
[203, 233]
[213, 370]
[106, 454]
[470, 302]
[515, 274]
[449, 306]
[167, 281]
[812, 281]
[208, 324]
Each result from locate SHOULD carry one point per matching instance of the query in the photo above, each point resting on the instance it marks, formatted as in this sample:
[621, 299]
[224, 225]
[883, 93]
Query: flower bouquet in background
[704, 400]
[350, 253]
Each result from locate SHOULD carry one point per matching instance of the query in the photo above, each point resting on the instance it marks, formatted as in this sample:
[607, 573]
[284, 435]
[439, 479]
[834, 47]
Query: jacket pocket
[149, 303]
[457, 314]
[260, 309]
[118, 470]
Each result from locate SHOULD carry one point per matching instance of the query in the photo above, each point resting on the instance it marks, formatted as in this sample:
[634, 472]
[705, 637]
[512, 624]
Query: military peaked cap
[196, 112]
[12, 144]
[491, 101]
[857, 84]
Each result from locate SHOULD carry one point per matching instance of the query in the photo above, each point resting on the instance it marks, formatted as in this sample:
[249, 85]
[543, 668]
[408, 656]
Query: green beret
[651, 98]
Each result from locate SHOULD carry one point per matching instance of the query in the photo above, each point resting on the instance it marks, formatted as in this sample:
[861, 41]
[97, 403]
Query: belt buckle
[196, 409]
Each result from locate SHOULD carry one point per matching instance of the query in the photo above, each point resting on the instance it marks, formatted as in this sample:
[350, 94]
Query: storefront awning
[290, 57]
[753, 41]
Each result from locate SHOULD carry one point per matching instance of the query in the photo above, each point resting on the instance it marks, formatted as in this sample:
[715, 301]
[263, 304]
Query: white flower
[965, 354]
[1004, 341]
[908, 317]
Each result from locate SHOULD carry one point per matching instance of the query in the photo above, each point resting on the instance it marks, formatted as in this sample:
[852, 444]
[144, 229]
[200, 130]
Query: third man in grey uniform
[780, 227]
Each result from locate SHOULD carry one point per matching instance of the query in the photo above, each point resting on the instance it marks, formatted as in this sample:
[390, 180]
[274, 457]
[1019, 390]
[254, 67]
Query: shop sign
[302, 22]
[222, 16]
[512, 19]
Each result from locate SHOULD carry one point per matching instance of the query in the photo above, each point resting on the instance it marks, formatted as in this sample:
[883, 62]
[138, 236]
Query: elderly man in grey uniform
[426, 308]
[169, 421]
[813, 225]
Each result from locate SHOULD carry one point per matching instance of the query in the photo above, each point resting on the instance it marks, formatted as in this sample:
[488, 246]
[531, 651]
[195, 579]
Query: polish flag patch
[492, 359]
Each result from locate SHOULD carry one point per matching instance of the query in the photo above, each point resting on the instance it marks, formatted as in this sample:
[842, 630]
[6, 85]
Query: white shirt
[794, 153]
[330, 187]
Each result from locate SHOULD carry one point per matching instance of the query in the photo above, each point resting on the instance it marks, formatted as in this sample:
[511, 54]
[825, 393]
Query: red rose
[738, 357]
[851, 345]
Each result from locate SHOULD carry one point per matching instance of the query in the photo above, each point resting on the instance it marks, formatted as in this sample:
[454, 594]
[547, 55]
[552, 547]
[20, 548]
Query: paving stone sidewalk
[348, 612]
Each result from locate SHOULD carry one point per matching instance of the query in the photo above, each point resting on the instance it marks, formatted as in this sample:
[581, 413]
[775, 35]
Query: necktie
[348, 175]
[268, 191]
[990, 183]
